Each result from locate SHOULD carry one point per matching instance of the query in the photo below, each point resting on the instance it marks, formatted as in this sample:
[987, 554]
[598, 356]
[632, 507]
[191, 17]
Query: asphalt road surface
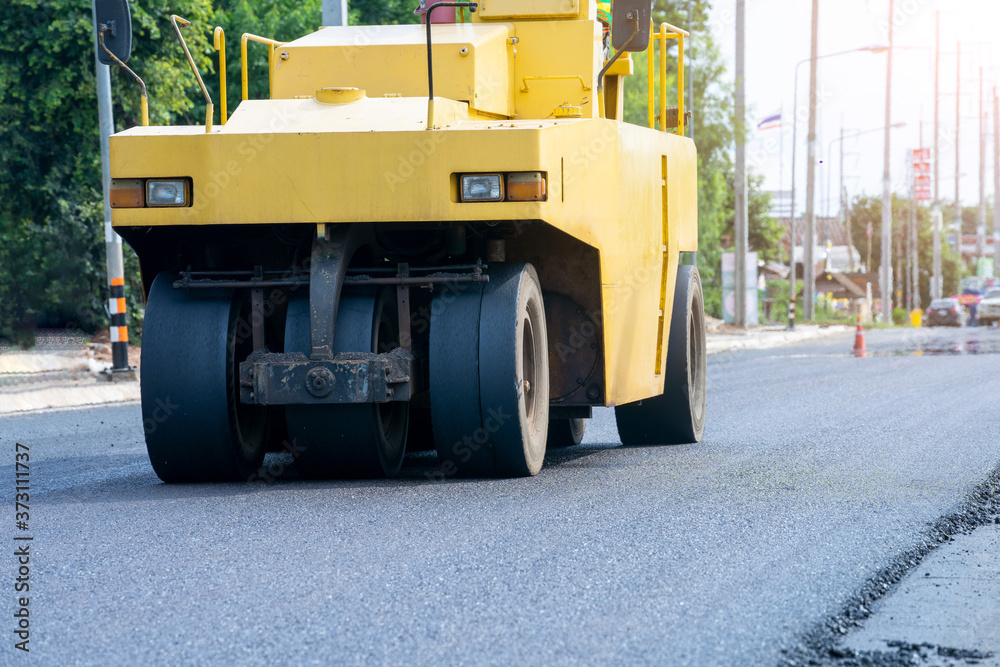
[820, 479]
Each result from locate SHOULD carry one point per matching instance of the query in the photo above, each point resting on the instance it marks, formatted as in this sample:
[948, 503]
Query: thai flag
[770, 121]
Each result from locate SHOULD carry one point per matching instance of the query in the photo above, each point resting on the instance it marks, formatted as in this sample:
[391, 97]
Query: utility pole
[957, 219]
[840, 212]
[936, 208]
[885, 279]
[112, 242]
[981, 221]
[334, 12]
[741, 231]
[996, 184]
[809, 243]
[914, 302]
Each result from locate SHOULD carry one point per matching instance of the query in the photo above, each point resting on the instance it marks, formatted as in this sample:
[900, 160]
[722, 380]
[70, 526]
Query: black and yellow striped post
[119, 327]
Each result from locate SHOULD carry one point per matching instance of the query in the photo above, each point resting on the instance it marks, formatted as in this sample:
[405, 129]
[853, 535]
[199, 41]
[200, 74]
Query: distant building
[843, 254]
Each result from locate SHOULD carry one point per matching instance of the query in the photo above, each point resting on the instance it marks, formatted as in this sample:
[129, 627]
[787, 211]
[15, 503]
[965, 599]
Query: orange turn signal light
[526, 186]
[127, 193]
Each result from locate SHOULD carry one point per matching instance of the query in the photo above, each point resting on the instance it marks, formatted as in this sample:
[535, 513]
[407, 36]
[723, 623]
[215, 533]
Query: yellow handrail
[661, 36]
[219, 40]
[270, 58]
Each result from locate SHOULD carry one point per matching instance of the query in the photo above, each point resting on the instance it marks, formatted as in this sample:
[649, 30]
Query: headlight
[167, 193]
[482, 187]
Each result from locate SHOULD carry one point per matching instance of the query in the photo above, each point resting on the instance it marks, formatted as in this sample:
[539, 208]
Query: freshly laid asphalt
[818, 471]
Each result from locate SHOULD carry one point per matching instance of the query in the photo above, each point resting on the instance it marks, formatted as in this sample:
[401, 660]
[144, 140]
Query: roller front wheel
[196, 428]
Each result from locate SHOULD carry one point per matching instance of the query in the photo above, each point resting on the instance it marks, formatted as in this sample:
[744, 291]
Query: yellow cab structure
[438, 236]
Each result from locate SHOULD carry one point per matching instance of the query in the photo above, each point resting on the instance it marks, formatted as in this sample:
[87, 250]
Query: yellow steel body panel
[548, 57]
[392, 60]
[298, 161]
[528, 78]
[535, 9]
[527, 9]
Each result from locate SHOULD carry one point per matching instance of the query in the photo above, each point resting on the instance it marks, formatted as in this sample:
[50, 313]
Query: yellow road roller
[439, 236]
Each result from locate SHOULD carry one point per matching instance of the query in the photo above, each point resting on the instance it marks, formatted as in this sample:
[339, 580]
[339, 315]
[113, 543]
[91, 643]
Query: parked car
[945, 312]
[989, 307]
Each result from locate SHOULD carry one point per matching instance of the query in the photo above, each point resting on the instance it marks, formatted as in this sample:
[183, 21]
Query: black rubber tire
[357, 441]
[192, 344]
[489, 377]
[566, 432]
[454, 382]
[677, 416]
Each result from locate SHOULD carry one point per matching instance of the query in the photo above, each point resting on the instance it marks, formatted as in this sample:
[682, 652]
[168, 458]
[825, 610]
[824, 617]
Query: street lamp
[795, 124]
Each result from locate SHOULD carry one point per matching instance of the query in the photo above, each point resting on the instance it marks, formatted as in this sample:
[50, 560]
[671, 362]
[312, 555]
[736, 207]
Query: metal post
[792, 288]
[840, 191]
[915, 243]
[911, 243]
[741, 230]
[809, 262]
[689, 64]
[885, 278]
[956, 222]
[936, 208]
[981, 220]
[334, 12]
[112, 242]
[996, 184]
[847, 227]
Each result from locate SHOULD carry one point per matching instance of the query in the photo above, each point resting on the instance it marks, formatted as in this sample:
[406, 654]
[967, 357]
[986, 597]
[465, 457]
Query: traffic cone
[859, 341]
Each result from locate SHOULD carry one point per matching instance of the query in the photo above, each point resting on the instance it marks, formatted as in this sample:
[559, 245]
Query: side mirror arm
[101, 29]
[619, 52]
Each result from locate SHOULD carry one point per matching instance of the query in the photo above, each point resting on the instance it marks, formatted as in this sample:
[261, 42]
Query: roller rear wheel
[489, 375]
[355, 440]
[192, 344]
[566, 432]
[677, 416]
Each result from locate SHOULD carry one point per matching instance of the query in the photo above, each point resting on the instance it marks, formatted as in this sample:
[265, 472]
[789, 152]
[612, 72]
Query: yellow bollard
[916, 318]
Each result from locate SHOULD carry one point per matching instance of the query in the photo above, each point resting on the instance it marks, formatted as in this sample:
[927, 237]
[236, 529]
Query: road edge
[821, 644]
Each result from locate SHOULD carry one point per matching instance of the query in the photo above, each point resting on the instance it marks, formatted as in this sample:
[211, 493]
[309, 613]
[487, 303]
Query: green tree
[51, 230]
[867, 210]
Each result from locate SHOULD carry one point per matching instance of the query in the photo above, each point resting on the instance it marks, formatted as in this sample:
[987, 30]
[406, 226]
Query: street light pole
[808, 261]
[936, 208]
[996, 184]
[795, 126]
[114, 258]
[334, 12]
[740, 194]
[886, 273]
[956, 222]
[981, 221]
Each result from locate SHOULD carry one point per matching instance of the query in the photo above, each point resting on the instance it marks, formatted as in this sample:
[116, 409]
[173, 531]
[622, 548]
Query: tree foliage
[867, 210]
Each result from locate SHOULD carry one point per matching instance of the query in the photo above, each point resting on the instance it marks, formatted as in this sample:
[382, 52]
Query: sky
[851, 89]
